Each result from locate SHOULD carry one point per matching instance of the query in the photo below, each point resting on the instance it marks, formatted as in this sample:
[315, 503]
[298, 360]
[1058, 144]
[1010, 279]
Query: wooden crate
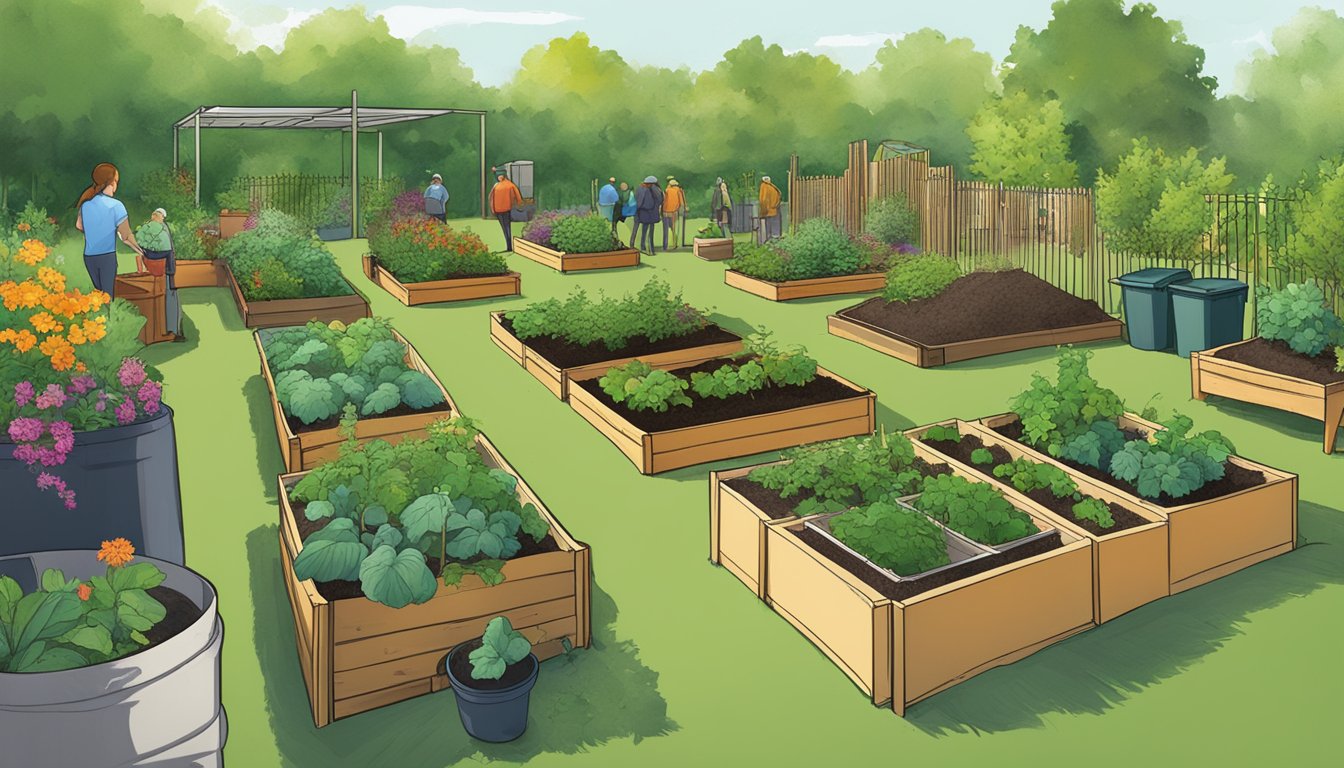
[200, 273]
[231, 223]
[147, 293]
[1208, 539]
[1212, 375]
[672, 449]
[306, 450]
[358, 655]
[557, 380]
[712, 248]
[789, 290]
[277, 312]
[1130, 568]
[435, 291]
[575, 262]
[931, 356]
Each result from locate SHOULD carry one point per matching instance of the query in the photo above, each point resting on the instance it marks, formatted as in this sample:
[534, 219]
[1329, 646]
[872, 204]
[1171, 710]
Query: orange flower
[85, 590]
[24, 226]
[82, 368]
[24, 340]
[32, 252]
[116, 552]
[53, 280]
[23, 295]
[76, 335]
[45, 323]
[95, 329]
[59, 350]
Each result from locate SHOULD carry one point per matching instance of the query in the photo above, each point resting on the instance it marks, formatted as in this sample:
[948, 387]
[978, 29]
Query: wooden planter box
[1210, 375]
[1130, 568]
[806, 289]
[1208, 539]
[200, 273]
[146, 292]
[575, 262]
[737, 529]
[924, 356]
[306, 450]
[435, 291]
[672, 449]
[904, 651]
[557, 379]
[278, 312]
[712, 248]
[231, 223]
[358, 655]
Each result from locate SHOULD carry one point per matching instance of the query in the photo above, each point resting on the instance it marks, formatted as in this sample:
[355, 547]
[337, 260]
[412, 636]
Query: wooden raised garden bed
[903, 648]
[200, 273]
[1211, 373]
[434, 291]
[1130, 565]
[575, 262]
[357, 655]
[277, 312]
[662, 450]
[231, 223]
[147, 293]
[557, 378]
[789, 290]
[969, 318]
[1210, 538]
[712, 248]
[304, 450]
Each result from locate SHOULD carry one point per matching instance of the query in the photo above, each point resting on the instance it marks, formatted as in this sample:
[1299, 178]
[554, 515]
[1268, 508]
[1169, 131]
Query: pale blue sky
[492, 36]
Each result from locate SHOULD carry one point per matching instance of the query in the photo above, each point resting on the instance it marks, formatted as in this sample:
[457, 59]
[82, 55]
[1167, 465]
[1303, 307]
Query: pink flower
[52, 397]
[82, 384]
[125, 411]
[25, 430]
[131, 373]
[101, 405]
[63, 434]
[23, 393]
[150, 392]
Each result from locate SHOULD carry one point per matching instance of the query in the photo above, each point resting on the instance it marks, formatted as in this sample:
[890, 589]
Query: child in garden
[156, 239]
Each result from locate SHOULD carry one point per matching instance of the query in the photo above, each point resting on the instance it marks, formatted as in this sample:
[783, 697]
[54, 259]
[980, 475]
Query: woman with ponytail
[102, 218]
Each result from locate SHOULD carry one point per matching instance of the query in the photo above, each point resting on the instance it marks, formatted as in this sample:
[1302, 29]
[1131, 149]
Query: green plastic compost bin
[1209, 313]
[1148, 305]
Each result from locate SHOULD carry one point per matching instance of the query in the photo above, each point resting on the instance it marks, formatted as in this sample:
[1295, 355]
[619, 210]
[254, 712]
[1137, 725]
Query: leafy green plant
[1096, 446]
[939, 434]
[583, 234]
[982, 456]
[1054, 413]
[840, 474]
[1173, 462]
[1094, 510]
[710, 231]
[1026, 476]
[920, 277]
[975, 510]
[762, 262]
[893, 536]
[644, 388]
[1299, 316]
[235, 197]
[1339, 359]
[420, 249]
[892, 220]
[817, 248]
[767, 364]
[501, 647]
[282, 238]
[654, 312]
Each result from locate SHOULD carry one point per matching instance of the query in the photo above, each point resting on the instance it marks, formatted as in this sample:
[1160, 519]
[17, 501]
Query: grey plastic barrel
[125, 483]
[160, 707]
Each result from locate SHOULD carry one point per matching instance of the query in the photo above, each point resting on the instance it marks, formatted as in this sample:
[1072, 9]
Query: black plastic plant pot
[125, 484]
[496, 715]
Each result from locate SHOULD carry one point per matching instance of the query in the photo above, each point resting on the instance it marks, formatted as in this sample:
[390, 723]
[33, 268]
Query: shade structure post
[380, 155]
[485, 210]
[354, 163]
[196, 124]
[177, 141]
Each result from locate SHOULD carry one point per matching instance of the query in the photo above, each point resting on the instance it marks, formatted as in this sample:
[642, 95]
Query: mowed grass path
[687, 666]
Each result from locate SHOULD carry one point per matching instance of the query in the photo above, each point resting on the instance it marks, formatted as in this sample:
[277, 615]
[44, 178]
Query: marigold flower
[116, 552]
[76, 335]
[94, 330]
[24, 340]
[43, 322]
[60, 351]
[85, 591]
[52, 279]
[32, 252]
[24, 226]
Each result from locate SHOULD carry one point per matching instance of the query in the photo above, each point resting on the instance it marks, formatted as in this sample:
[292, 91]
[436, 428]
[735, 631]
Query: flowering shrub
[419, 249]
[60, 359]
[817, 249]
[281, 258]
[32, 223]
[336, 213]
[541, 228]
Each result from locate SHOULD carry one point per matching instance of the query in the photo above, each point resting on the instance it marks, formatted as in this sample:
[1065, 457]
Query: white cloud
[855, 41]
[407, 21]
[247, 34]
[1259, 39]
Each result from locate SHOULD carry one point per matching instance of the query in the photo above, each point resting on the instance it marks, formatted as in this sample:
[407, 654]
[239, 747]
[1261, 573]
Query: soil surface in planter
[345, 590]
[1062, 506]
[298, 427]
[980, 305]
[712, 410]
[565, 354]
[777, 507]
[460, 663]
[182, 613]
[906, 589]
[1278, 357]
[1235, 478]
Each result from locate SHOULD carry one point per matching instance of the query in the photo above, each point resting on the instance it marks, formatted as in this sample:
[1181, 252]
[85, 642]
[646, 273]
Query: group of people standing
[644, 207]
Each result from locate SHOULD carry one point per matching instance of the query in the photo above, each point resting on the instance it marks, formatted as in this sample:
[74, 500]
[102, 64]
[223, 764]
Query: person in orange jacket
[674, 208]
[504, 197]
[769, 202]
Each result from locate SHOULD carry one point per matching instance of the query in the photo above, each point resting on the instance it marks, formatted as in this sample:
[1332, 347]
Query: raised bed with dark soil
[1278, 357]
[777, 507]
[983, 313]
[1236, 477]
[298, 427]
[565, 354]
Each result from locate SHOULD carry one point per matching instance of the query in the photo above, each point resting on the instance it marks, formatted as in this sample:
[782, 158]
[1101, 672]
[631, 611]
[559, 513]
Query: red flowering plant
[418, 250]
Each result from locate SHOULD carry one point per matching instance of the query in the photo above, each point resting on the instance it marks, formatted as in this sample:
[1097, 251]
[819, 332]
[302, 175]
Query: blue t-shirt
[101, 216]
[607, 195]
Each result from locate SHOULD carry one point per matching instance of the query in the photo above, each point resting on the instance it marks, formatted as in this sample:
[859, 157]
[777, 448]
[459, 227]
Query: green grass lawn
[687, 666]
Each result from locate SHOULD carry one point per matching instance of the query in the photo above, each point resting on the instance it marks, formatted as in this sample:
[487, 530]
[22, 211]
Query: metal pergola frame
[354, 119]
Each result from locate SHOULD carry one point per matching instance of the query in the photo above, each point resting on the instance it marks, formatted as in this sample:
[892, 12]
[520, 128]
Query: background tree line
[86, 81]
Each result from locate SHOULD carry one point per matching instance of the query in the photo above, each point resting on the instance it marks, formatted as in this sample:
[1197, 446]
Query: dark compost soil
[778, 507]
[564, 354]
[344, 590]
[460, 663]
[772, 399]
[182, 613]
[1124, 517]
[1278, 357]
[1236, 477]
[298, 427]
[980, 305]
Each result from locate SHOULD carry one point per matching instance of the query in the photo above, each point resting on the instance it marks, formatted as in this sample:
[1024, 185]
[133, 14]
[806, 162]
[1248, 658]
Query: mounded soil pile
[980, 305]
[1278, 357]
[564, 354]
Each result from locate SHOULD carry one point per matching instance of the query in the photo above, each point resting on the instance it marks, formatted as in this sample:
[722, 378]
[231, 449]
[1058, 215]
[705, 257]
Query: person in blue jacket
[102, 218]
[436, 198]
[607, 198]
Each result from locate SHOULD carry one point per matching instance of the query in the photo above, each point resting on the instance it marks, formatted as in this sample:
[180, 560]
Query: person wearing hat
[769, 202]
[674, 208]
[721, 206]
[607, 198]
[436, 198]
[504, 197]
[156, 239]
[648, 209]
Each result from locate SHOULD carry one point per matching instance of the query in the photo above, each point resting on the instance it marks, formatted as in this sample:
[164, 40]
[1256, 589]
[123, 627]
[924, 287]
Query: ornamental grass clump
[67, 364]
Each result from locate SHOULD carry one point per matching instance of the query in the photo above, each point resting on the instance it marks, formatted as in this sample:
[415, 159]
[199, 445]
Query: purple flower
[101, 405]
[23, 393]
[125, 411]
[52, 397]
[63, 434]
[131, 373]
[25, 430]
[150, 392]
[81, 384]
[47, 480]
